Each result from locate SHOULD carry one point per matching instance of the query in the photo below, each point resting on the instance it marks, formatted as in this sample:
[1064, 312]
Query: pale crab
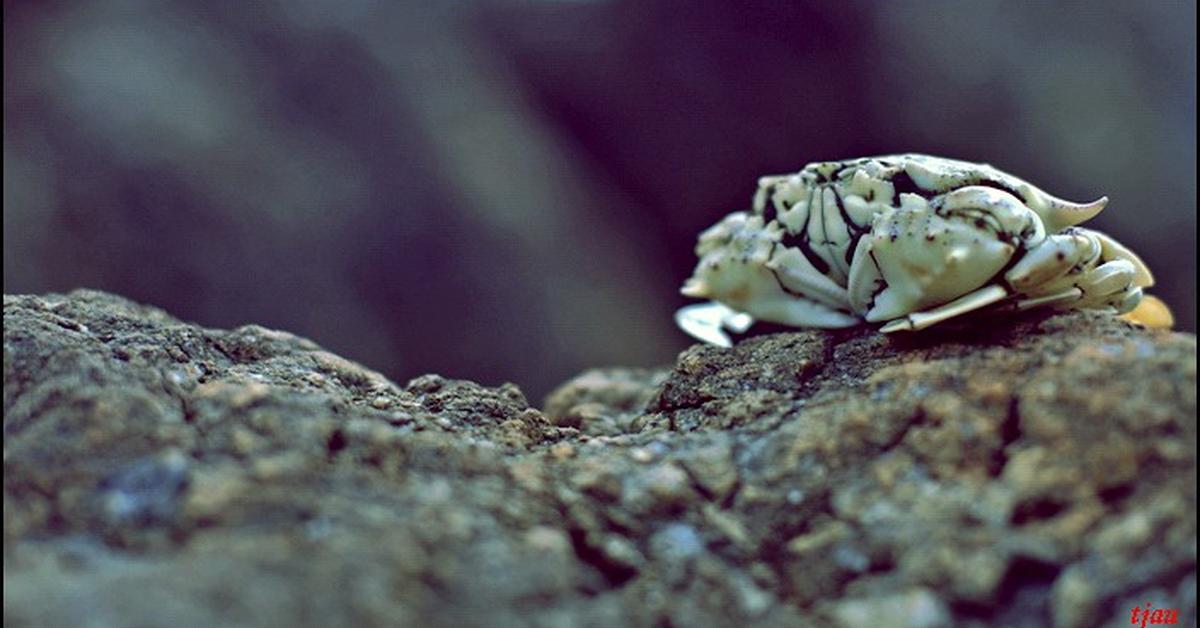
[904, 240]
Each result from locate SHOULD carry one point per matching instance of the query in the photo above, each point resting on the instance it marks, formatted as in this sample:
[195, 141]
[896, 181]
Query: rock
[919, 608]
[604, 401]
[1034, 471]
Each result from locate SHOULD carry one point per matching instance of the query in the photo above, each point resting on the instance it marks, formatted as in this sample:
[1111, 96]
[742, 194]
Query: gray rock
[1035, 471]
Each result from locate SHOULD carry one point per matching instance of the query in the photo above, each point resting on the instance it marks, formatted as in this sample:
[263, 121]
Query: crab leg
[801, 312]
[865, 281]
[798, 274]
[971, 301]
[1066, 296]
[708, 322]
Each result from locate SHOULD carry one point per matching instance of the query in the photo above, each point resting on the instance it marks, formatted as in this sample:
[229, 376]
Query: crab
[905, 241]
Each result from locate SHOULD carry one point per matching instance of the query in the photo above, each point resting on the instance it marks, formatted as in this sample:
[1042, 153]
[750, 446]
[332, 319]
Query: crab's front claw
[1044, 268]
[1079, 268]
[1146, 310]
[1110, 250]
[1115, 279]
[930, 253]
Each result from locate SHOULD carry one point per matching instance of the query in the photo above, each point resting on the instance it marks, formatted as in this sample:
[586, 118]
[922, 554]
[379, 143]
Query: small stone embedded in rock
[918, 608]
[713, 469]
[562, 451]
[145, 493]
[666, 485]
[675, 542]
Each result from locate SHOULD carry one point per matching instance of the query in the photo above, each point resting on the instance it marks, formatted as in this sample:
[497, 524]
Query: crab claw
[1111, 250]
[930, 253]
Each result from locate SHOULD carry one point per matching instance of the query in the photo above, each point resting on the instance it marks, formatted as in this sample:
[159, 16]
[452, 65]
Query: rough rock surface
[1035, 472]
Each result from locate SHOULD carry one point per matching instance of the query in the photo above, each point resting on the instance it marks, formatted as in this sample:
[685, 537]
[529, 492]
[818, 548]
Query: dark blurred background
[511, 190]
